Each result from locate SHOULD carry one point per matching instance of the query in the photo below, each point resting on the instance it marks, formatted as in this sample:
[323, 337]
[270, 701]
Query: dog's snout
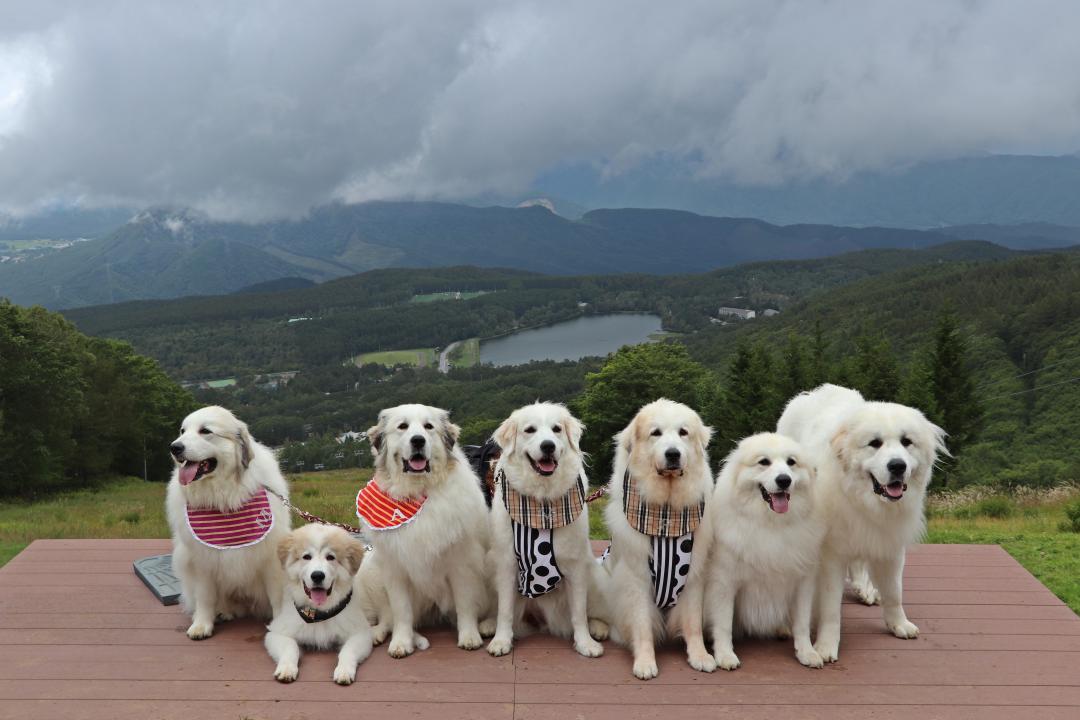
[672, 455]
[418, 441]
[783, 481]
[177, 448]
[317, 577]
[547, 447]
[897, 466]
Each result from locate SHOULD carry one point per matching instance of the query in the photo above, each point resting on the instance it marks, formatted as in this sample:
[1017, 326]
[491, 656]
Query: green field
[466, 354]
[1029, 525]
[418, 357]
[436, 297]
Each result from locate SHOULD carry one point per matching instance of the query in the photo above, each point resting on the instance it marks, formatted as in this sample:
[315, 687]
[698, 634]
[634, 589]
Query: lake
[571, 340]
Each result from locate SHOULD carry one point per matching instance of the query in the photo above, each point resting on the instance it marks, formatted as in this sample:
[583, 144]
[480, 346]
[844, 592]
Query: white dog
[319, 607]
[225, 525]
[658, 487]
[874, 462]
[762, 536]
[426, 520]
[540, 549]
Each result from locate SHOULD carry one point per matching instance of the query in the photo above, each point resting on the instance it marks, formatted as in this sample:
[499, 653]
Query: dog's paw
[784, 633]
[645, 669]
[420, 641]
[905, 629]
[589, 648]
[829, 652]
[500, 646]
[226, 616]
[810, 658]
[728, 660]
[379, 633]
[200, 630]
[469, 640]
[487, 627]
[702, 661]
[401, 647]
[599, 629]
[344, 675]
[286, 673]
[867, 594]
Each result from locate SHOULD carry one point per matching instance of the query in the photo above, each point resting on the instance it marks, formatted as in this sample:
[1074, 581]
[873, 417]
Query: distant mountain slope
[167, 253]
[1024, 236]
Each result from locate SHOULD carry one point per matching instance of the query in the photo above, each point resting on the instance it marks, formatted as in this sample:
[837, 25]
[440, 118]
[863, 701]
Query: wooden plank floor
[80, 637]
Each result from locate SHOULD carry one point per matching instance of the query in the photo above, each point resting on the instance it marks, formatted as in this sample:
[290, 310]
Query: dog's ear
[574, 430]
[704, 437]
[284, 549]
[375, 434]
[505, 436]
[624, 440]
[243, 443]
[353, 555]
[839, 444]
[449, 432]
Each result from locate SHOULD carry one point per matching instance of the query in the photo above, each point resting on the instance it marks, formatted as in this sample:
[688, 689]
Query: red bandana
[379, 511]
[237, 529]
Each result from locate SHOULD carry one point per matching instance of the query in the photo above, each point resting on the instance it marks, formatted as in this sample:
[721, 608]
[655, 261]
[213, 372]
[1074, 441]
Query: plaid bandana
[658, 520]
[543, 514]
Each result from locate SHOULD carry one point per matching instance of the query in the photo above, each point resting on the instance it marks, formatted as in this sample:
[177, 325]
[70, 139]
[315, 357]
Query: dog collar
[380, 511]
[311, 615]
[542, 513]
[658, 520]
[246, 526]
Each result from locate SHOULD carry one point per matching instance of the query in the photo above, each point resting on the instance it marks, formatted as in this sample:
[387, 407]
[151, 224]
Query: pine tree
[749, 402]
[958, 409]
[873, 370]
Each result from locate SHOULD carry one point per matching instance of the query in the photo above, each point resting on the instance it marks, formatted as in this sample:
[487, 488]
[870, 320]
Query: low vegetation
[418, 357]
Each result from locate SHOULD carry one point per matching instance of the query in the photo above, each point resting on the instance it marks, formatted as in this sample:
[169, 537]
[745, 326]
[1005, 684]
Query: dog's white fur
[435, 565]
[234, 582]
[336, 554]
[865, 531]
[641, 446]
[760, 565]
[564, 610]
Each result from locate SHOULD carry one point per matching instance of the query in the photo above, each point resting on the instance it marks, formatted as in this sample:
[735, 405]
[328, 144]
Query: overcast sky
[261, 109]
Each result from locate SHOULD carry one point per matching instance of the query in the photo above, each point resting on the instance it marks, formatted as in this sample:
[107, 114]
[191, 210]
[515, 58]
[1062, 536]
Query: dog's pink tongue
[417, 464]
[895, 489]
[546, 465]
[779, 502]
[318, 596]
[187, 472]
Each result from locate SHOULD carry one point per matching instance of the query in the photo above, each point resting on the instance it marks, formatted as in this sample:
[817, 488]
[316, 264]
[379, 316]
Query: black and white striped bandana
[538, 573]
[669, 563]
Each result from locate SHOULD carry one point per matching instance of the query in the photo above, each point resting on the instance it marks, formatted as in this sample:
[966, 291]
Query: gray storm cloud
[253, 110]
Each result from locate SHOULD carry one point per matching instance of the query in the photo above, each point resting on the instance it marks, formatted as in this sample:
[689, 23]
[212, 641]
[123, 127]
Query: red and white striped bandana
[237, 529]
[380, 511]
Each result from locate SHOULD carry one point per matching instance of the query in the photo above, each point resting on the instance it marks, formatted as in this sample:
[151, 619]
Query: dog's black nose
[418, 441]
[317, 577]
[177, 448]
[897, 466]
[672, 455]
[547, 447]
[783, 481]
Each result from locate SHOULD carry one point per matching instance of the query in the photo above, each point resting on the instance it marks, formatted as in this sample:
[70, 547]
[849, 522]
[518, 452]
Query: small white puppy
[540, 549]
[658, 487]
[762, 536]
[426, 519]
[874, 462]
[319, 606]
[225, 525]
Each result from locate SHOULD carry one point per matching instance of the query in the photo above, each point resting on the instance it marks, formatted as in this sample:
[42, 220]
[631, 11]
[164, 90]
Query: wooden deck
[80, 637]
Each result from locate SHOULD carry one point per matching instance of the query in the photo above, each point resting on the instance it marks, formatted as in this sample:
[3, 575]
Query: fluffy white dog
[225, 526]
[426, 520]
[319, 606]
[874, 461]
[762, 536]
[540, 550]
[658, 487]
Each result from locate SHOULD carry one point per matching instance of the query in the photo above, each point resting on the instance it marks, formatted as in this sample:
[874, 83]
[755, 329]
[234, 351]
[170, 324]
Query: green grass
[436, 297]
[466, 354]
[418, 357]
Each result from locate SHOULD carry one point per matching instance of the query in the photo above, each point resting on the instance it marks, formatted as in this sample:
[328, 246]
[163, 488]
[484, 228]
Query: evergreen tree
[958, 409]
[873, 370]
[749, 402]
[796, 369]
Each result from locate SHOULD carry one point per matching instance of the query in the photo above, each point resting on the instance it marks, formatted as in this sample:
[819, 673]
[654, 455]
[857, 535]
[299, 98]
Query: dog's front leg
[692, 618]
[503, 641]
[467, 587]
[722, 619]
[801, 607]
[286, 653]
[355, 650]
[888, 575]
[830, 595]
[577, 578]
[205, 610]
[402, 637]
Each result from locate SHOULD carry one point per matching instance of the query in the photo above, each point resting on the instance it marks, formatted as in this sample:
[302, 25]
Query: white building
[741, 313]
[769, 312]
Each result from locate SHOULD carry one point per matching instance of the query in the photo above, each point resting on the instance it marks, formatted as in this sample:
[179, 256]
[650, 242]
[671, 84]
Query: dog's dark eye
[556, 429]
[204, 431]
[656, 433]
[791, 462]
[764, 462]
[330, 558]
[905, 441]
[403, 426]
[683, 432]
[429, 426]
[307, 556]
[530, 430]
[875, 443]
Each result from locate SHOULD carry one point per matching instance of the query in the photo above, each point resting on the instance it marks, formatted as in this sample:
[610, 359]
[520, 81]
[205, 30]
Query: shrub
[1072, 518]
